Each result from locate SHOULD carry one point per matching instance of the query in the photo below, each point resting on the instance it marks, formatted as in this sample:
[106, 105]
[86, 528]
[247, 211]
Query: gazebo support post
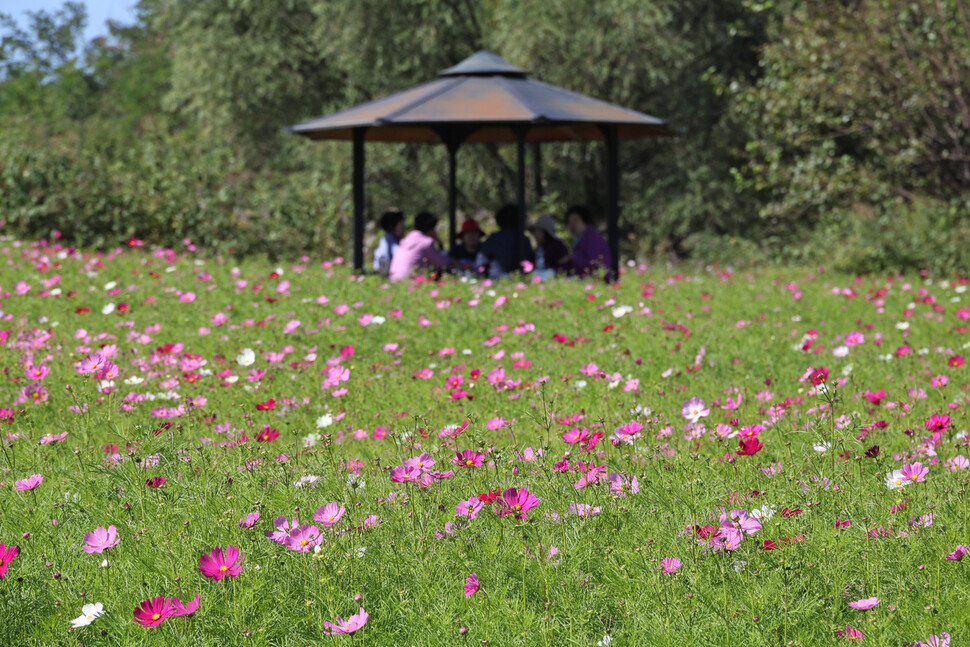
[537, 171]
[452, 196]
[520, 191]
[358, 225]
[613, 196]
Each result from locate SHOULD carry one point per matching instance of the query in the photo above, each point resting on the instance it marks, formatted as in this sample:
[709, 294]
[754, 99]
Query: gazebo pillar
[613, 196]
[520, 134]
[358, 224]
[452, 196]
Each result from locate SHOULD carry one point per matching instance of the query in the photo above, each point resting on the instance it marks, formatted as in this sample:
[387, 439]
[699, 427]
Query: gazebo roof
[486, 99]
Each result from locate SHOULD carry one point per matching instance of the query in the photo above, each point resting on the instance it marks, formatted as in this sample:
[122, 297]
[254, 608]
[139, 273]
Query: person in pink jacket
[418, 249]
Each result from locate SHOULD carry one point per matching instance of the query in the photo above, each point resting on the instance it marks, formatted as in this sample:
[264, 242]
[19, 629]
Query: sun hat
[469, 225]
[546, 224]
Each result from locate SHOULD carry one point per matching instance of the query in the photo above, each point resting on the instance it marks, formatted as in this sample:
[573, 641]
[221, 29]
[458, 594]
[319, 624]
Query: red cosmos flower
[122, 307]
[265, 406]
[788, 512]
[819, 375]
[707, 532]
[474, 373]
[872, 452]
[749, 447]
[488, 497]
[267, 434]
[769, 545]
[608, 328]
[955, 361]
[83, 310]
[155, 481]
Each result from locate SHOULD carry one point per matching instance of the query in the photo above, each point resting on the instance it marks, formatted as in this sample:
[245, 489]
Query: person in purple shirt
[591, 253]
[419, 249]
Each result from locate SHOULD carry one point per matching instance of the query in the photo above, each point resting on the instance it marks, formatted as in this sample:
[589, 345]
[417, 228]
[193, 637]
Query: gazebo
[485, 99]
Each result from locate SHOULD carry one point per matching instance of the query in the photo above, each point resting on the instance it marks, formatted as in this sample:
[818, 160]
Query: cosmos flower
[217, 564]
[89, 612]
[101, 539]
[348, 626]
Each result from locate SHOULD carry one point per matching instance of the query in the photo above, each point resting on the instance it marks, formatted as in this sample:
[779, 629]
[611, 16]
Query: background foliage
[834, 131]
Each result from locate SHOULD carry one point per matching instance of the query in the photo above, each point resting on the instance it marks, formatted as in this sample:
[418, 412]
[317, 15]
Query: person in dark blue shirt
[497, 253]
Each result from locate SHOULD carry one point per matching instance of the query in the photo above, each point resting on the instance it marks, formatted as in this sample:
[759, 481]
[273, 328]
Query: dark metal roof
[485, 99]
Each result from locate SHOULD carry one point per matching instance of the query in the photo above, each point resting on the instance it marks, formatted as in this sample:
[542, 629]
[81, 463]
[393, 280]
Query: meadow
[202, 451]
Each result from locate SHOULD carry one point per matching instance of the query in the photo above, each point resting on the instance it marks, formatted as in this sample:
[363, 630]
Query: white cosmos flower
[822, 447]
[840, 351]
[246, 357]
[619, 311]
[764, 513]
[108, 309]
[579, 384]
[895, 480]
[310, 440]
[308, 479]
[902, 325]
[324, 421]
[88, 613]
[133, 380]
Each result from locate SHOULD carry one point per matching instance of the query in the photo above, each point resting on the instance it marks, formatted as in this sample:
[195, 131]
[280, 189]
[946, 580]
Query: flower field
[200, 451]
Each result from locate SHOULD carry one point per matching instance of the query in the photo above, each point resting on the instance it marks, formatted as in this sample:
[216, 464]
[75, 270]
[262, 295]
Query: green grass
[605, 580]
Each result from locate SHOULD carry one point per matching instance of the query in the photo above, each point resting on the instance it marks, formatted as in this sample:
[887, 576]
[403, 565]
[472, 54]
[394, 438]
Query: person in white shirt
[392, 222]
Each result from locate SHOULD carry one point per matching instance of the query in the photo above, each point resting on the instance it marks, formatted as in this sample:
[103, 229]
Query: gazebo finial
[484, 63]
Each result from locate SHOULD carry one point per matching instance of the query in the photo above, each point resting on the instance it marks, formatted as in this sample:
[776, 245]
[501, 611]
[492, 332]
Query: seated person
[419, 249]
[498, 253]
[392, 222]
[466, 251]
[591, 253]
[550, 250]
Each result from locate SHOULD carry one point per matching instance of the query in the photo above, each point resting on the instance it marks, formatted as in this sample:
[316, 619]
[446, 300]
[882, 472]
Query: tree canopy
[810, 131]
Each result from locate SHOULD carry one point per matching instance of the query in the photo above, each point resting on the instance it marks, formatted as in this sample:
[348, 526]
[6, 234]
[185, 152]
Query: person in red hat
[470, 238]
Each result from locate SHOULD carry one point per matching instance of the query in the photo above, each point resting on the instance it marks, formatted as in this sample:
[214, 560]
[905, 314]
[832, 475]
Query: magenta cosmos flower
[217, 564]
[471, 584]
[468, 458]
[516, 502]
[956, 555]
[348, 626]
[154, 611]
[914, 472]
[249, 520]
[329, 514]
[584, 509]
[7, 553]
[851, 633]
[101, 539]
[30, 482]
[865, 604]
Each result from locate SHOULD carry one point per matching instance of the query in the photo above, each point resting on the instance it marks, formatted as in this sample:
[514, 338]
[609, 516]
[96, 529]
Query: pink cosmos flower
[584, 509]
[403, 473]
[29, 483]
[303, 539]
[471, 584]
[669, 565]
[694, 409]
[424, 462]
[184, 609]
[739, 519]
[469, 508]
[7, 553]
[956, 555]
[943, 640]
[468, 458]
[914, 472]
[217, 564]
[865, 604]
[329, 514]
[620, 484]
[937, 422]
[101, 539]
[516, 502]
[350, 625]
[51, 438]
[283, 529]
[957, 463]
[154, 611]
[249, 520]
[851, 633]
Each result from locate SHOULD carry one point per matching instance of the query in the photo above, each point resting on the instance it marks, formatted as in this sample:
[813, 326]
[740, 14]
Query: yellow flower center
[223, 568]
[304, 542]
[330, 518]
[469, 461]
[516, 507]
[156, 616]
